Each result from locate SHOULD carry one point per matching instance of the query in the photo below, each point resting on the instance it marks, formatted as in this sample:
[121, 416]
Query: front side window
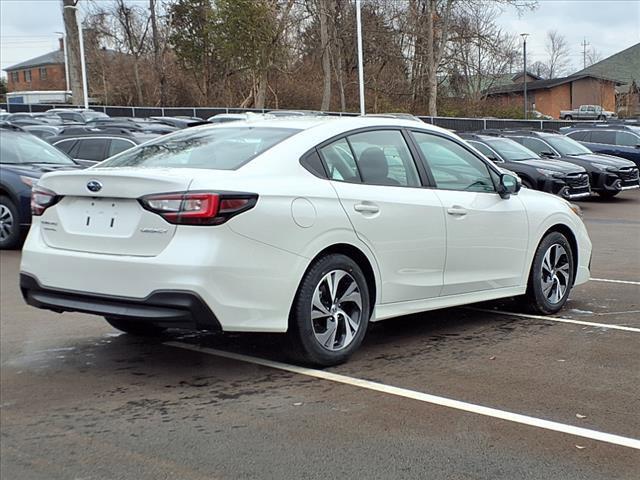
[221, 148]
[485, 150]
[535, 145]
[340, 162]
[453, 166]
[383, 158]
[65, 146]
[627, 139]
[607, 137]
[511, 150]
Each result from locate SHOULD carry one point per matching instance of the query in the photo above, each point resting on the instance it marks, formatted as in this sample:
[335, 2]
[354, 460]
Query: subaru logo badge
[94, 186]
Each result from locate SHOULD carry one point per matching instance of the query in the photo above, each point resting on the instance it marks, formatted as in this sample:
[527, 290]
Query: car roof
[307, 122]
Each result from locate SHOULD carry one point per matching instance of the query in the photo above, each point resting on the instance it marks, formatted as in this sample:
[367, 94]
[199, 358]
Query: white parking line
[559, 320]
[608, 280]
[422, 397]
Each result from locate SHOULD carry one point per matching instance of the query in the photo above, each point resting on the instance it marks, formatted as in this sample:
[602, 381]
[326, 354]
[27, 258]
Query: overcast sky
[27, 27]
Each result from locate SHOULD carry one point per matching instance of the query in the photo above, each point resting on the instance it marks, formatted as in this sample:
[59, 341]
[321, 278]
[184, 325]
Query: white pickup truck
[587, 112]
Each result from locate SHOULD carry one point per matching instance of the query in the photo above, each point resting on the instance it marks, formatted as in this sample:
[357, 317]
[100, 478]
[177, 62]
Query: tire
[568, 117]
[10, 233]
[139, 328]
[547, 292]
[602, 118]
[608, 193]
[320, 332]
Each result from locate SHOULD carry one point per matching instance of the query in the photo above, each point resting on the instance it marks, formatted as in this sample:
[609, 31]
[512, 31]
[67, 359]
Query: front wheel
[139, 328]
[551, 275]
[330, 313]
[602, 118]
[568, 117]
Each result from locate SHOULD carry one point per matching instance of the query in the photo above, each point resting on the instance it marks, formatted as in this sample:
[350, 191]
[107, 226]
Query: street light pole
[83, 66]
[524, 38]
[360, 66]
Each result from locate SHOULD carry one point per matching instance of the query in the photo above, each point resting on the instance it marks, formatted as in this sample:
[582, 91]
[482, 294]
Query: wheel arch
[571, 238]
[358, 256]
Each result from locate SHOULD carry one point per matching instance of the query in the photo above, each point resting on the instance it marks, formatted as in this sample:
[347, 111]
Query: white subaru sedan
[312, 227]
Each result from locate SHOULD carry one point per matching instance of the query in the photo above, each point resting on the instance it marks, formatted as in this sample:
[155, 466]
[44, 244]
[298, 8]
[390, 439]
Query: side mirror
[638, 146]
[509, 184]
[495, 159]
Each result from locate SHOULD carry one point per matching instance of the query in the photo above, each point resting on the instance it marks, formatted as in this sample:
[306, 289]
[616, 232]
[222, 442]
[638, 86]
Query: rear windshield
[214, 148]
[510, 149]
[24, 148]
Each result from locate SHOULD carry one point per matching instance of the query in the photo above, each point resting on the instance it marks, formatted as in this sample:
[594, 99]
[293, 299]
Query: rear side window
[340, 162]
[627, 139]
[119, 145]
[583, 136]
[603, 136]
[66, 146]
[453, 166]
[383, 158]
[92, 149]
[224, 148]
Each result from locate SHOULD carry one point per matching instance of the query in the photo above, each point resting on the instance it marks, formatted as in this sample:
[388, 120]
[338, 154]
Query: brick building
[551, 96]
[45, 72]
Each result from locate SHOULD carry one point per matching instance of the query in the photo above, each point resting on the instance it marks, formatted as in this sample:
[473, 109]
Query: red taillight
[41, 199]
[198, 208]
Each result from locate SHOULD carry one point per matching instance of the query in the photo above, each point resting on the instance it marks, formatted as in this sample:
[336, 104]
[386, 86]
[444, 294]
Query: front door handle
[366, 208]
[457, 211]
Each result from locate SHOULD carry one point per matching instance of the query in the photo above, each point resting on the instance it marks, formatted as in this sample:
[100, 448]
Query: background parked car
[43, 131]
[180, 122]
[552, 176]
[79, 115]
[23, 159]
[587, 112]
[619, 140]
[608, 175]
[140, 125]
[90, 147]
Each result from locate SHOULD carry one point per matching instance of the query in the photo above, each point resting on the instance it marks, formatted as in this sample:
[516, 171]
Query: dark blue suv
[619, 140]
[24, 158]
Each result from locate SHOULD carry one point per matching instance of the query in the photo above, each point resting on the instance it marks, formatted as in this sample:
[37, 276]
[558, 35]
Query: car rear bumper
[245, 285]
[166, 308]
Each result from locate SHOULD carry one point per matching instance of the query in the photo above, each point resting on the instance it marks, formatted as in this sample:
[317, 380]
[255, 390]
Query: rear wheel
[602, 117]
[10, 234]
[330, 313]
[608, 193]
[551, 275]
[568, 117]
[135, 327]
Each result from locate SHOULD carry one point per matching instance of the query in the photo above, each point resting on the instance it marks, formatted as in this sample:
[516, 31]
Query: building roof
[623, 66]
[542, 84]
[57, 56]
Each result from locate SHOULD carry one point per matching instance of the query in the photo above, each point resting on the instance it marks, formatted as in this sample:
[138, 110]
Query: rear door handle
[366, 208]
[457, 211]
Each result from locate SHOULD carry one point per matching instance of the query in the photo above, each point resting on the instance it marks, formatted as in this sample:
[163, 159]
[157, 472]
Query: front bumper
[615, 181]
[570, 188]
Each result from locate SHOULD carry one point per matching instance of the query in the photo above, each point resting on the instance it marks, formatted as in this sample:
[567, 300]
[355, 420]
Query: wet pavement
[78, 400]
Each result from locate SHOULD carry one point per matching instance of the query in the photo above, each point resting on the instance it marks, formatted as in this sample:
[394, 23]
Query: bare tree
[592, 56]
[324, 9]
[558, 53]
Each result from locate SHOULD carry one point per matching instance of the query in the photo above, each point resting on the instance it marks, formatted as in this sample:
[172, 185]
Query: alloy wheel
[555, 273]
[6, 223]
[336, 310]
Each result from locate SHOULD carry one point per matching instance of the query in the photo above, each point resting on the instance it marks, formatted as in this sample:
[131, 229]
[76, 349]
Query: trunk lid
[108, 218]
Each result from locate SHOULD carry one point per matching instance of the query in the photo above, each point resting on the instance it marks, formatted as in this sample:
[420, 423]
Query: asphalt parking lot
[80, 401]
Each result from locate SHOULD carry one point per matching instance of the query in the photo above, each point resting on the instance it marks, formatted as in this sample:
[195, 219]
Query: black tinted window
[603, 136]
[92, 149]
[119, 145]
[65, 146]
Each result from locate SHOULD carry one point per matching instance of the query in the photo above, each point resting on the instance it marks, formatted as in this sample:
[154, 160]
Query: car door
[487, 236]
[380, 188]
[603, 141]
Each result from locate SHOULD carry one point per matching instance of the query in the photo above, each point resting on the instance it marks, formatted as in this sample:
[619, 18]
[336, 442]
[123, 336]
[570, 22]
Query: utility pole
[72, 42]
[524, 38]
[584, 52]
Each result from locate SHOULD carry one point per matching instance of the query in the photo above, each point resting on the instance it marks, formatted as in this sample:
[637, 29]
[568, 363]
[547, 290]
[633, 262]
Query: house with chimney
[45, 72]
